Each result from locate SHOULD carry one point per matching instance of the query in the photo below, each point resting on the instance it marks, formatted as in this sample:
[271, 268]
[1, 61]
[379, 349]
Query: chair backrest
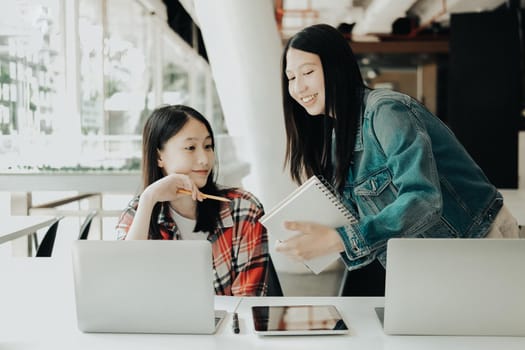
[274, 286]
[45, 248]
[86, 225]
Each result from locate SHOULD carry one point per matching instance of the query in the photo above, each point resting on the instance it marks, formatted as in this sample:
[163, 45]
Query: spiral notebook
[315, 201]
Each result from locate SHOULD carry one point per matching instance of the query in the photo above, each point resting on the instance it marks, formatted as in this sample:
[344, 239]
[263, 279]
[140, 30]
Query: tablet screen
[298, 319]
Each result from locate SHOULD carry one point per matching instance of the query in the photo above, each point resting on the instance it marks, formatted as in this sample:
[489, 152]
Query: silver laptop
[145, 287]
[455, 287]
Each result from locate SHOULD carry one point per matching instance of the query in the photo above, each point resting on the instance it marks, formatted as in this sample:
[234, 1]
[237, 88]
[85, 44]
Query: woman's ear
[160, 162]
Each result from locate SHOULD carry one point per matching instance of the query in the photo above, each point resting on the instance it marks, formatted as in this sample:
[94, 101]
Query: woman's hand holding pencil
[204, 195]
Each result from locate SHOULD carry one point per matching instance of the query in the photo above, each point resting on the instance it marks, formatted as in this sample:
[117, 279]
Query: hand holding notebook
[314, 201]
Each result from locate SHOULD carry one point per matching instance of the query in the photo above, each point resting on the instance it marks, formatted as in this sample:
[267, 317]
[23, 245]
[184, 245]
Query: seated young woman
[178, 161]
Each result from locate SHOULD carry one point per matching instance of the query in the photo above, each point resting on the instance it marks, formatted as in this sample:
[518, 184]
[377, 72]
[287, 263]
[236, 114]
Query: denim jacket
[410, 177]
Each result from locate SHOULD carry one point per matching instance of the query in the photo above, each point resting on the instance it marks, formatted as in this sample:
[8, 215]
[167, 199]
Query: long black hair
[308, 147]
[163, 123]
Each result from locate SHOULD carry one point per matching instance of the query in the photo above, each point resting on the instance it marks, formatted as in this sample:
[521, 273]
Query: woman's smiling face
[190, 152]
[306, 80]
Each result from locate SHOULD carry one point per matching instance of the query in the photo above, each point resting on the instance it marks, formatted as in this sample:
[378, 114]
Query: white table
[37, 311]
[14, 227]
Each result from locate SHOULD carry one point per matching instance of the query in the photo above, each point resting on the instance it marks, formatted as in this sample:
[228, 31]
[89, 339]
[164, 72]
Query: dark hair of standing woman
[308, 148]
[163, 123]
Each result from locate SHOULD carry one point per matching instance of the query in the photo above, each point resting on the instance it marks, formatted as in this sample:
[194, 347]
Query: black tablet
[298, 320]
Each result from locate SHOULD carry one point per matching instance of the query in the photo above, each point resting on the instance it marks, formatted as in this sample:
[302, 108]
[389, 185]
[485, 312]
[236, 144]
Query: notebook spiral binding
[327, 188]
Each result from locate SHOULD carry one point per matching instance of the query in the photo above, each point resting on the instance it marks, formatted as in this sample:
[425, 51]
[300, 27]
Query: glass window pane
[199, 95]
[175, 76]
[91, 36]
[116, 88]
[31, 80]
[127, 74]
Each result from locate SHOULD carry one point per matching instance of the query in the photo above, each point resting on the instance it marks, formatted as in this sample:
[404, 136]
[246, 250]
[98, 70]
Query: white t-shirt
[186, 226]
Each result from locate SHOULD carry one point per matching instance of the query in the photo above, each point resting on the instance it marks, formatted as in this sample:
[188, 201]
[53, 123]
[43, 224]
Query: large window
[86, 74]
[31, 79]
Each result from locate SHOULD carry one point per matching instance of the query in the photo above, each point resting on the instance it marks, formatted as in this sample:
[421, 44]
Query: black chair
[45, 248]
[368, 281]
[86, 225]
[274, 286]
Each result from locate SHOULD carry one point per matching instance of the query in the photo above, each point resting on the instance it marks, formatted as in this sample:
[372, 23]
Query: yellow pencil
[207, 196]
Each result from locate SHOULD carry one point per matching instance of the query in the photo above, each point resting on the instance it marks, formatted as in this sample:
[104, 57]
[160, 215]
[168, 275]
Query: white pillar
[244, 49]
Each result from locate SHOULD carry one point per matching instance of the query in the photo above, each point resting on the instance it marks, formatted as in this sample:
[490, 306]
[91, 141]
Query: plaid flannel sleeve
[125, 220]
[250, 244]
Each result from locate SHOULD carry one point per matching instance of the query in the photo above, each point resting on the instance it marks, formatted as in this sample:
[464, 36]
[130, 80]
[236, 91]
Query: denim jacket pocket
[375, 193]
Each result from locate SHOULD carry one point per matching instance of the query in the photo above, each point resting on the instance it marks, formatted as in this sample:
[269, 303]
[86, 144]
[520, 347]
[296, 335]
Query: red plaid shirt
[239, 243]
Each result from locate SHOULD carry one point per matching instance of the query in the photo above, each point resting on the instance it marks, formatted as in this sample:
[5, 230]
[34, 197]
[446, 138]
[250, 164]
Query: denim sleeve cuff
[353, 241]
[357, 263]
